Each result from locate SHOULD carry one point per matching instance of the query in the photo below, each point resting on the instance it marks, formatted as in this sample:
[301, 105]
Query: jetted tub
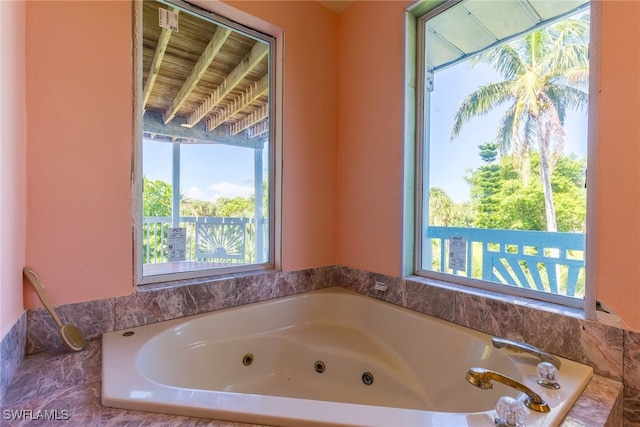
[303, 360]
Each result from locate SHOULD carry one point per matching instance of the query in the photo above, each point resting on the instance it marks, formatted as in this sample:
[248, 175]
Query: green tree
[441, 207]
[239, 207]
[488, 152]
[486, 184]
[464, 215]
[568, 182]
[156, 197]
[545, 73]
[443, 211]
[200, 208]
[156, 201]
[520, 206]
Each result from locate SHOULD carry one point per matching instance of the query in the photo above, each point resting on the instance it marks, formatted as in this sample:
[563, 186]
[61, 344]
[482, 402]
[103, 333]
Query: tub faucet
[519, 347]
[482, 378]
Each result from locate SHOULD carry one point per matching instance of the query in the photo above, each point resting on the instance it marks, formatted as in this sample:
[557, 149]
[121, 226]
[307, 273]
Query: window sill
[499, 296]
[168, 275]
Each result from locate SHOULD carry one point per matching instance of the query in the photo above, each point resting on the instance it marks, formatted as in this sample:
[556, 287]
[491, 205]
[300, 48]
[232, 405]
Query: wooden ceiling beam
[258, 129]
[255, 91]
[215, 44]
[251, 59]
[152, 124]
[161, 48]
[250, 120]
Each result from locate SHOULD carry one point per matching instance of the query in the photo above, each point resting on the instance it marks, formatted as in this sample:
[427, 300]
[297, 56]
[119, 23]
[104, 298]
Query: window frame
[417, 15]
[225, 15]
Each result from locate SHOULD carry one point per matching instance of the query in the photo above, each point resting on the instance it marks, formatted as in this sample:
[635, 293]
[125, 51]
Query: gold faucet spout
[522, 347]
[482, 378]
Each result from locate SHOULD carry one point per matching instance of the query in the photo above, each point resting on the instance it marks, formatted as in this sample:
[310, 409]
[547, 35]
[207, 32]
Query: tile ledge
[212, 278]
[505, 298]
[599, 405]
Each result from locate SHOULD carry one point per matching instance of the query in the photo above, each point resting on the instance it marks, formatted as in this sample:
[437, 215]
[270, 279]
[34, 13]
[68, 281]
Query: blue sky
[207, 171]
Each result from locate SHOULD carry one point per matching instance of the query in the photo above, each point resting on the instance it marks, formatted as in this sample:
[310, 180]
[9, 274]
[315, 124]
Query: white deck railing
[222, 240]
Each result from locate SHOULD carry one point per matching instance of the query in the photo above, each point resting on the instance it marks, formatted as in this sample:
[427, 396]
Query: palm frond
[577, 77]
[530, 131]
[568, 48]
[570, 31]
[480, 102]
[516, 135]
[565, 97]
[565, 58]
[505, 59]
[509, 129]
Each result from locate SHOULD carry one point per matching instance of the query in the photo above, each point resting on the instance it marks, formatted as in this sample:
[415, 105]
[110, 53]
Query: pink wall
[80, 142]
[618, 269]
[342, 172]
[370, 147]
[13, 147]
[370, 140]
[79, 85]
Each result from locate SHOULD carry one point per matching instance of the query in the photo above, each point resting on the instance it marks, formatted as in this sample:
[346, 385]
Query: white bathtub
[194, 366]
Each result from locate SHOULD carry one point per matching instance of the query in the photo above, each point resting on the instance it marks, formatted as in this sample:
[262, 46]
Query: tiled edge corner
[12, 352]
[363, 282]
[298, 281]
[631, 378]
[92, 318]
[631, 407]
[632, 359]
[616, 415]
[600, 404]
[355, 280]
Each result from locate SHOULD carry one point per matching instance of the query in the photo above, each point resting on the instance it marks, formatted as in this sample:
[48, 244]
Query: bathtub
[328, 357]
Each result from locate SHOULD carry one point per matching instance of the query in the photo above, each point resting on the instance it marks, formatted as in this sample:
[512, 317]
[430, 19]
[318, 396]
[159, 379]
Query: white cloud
[196, 193]
[227, 189]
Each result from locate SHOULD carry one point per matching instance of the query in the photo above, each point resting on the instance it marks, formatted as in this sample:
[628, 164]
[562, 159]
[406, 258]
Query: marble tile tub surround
[613, 352]
[170, 300]
[550, 327]
[12, 352]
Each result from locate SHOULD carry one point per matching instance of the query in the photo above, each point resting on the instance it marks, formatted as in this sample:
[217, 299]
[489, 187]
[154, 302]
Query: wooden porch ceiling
[203, 76]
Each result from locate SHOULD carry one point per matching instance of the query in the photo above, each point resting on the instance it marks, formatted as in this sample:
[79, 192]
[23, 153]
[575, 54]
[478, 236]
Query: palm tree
[545, 73]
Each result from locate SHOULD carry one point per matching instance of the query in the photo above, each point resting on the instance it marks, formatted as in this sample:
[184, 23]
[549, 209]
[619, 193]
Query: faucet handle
[548, 375]
[510, 412]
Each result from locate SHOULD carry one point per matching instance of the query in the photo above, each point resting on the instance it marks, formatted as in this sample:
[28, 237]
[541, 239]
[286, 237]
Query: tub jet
[247, 359]
[367, 378]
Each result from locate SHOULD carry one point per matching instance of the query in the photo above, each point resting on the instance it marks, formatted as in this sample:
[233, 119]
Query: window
[207, 157]
[503, 102]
